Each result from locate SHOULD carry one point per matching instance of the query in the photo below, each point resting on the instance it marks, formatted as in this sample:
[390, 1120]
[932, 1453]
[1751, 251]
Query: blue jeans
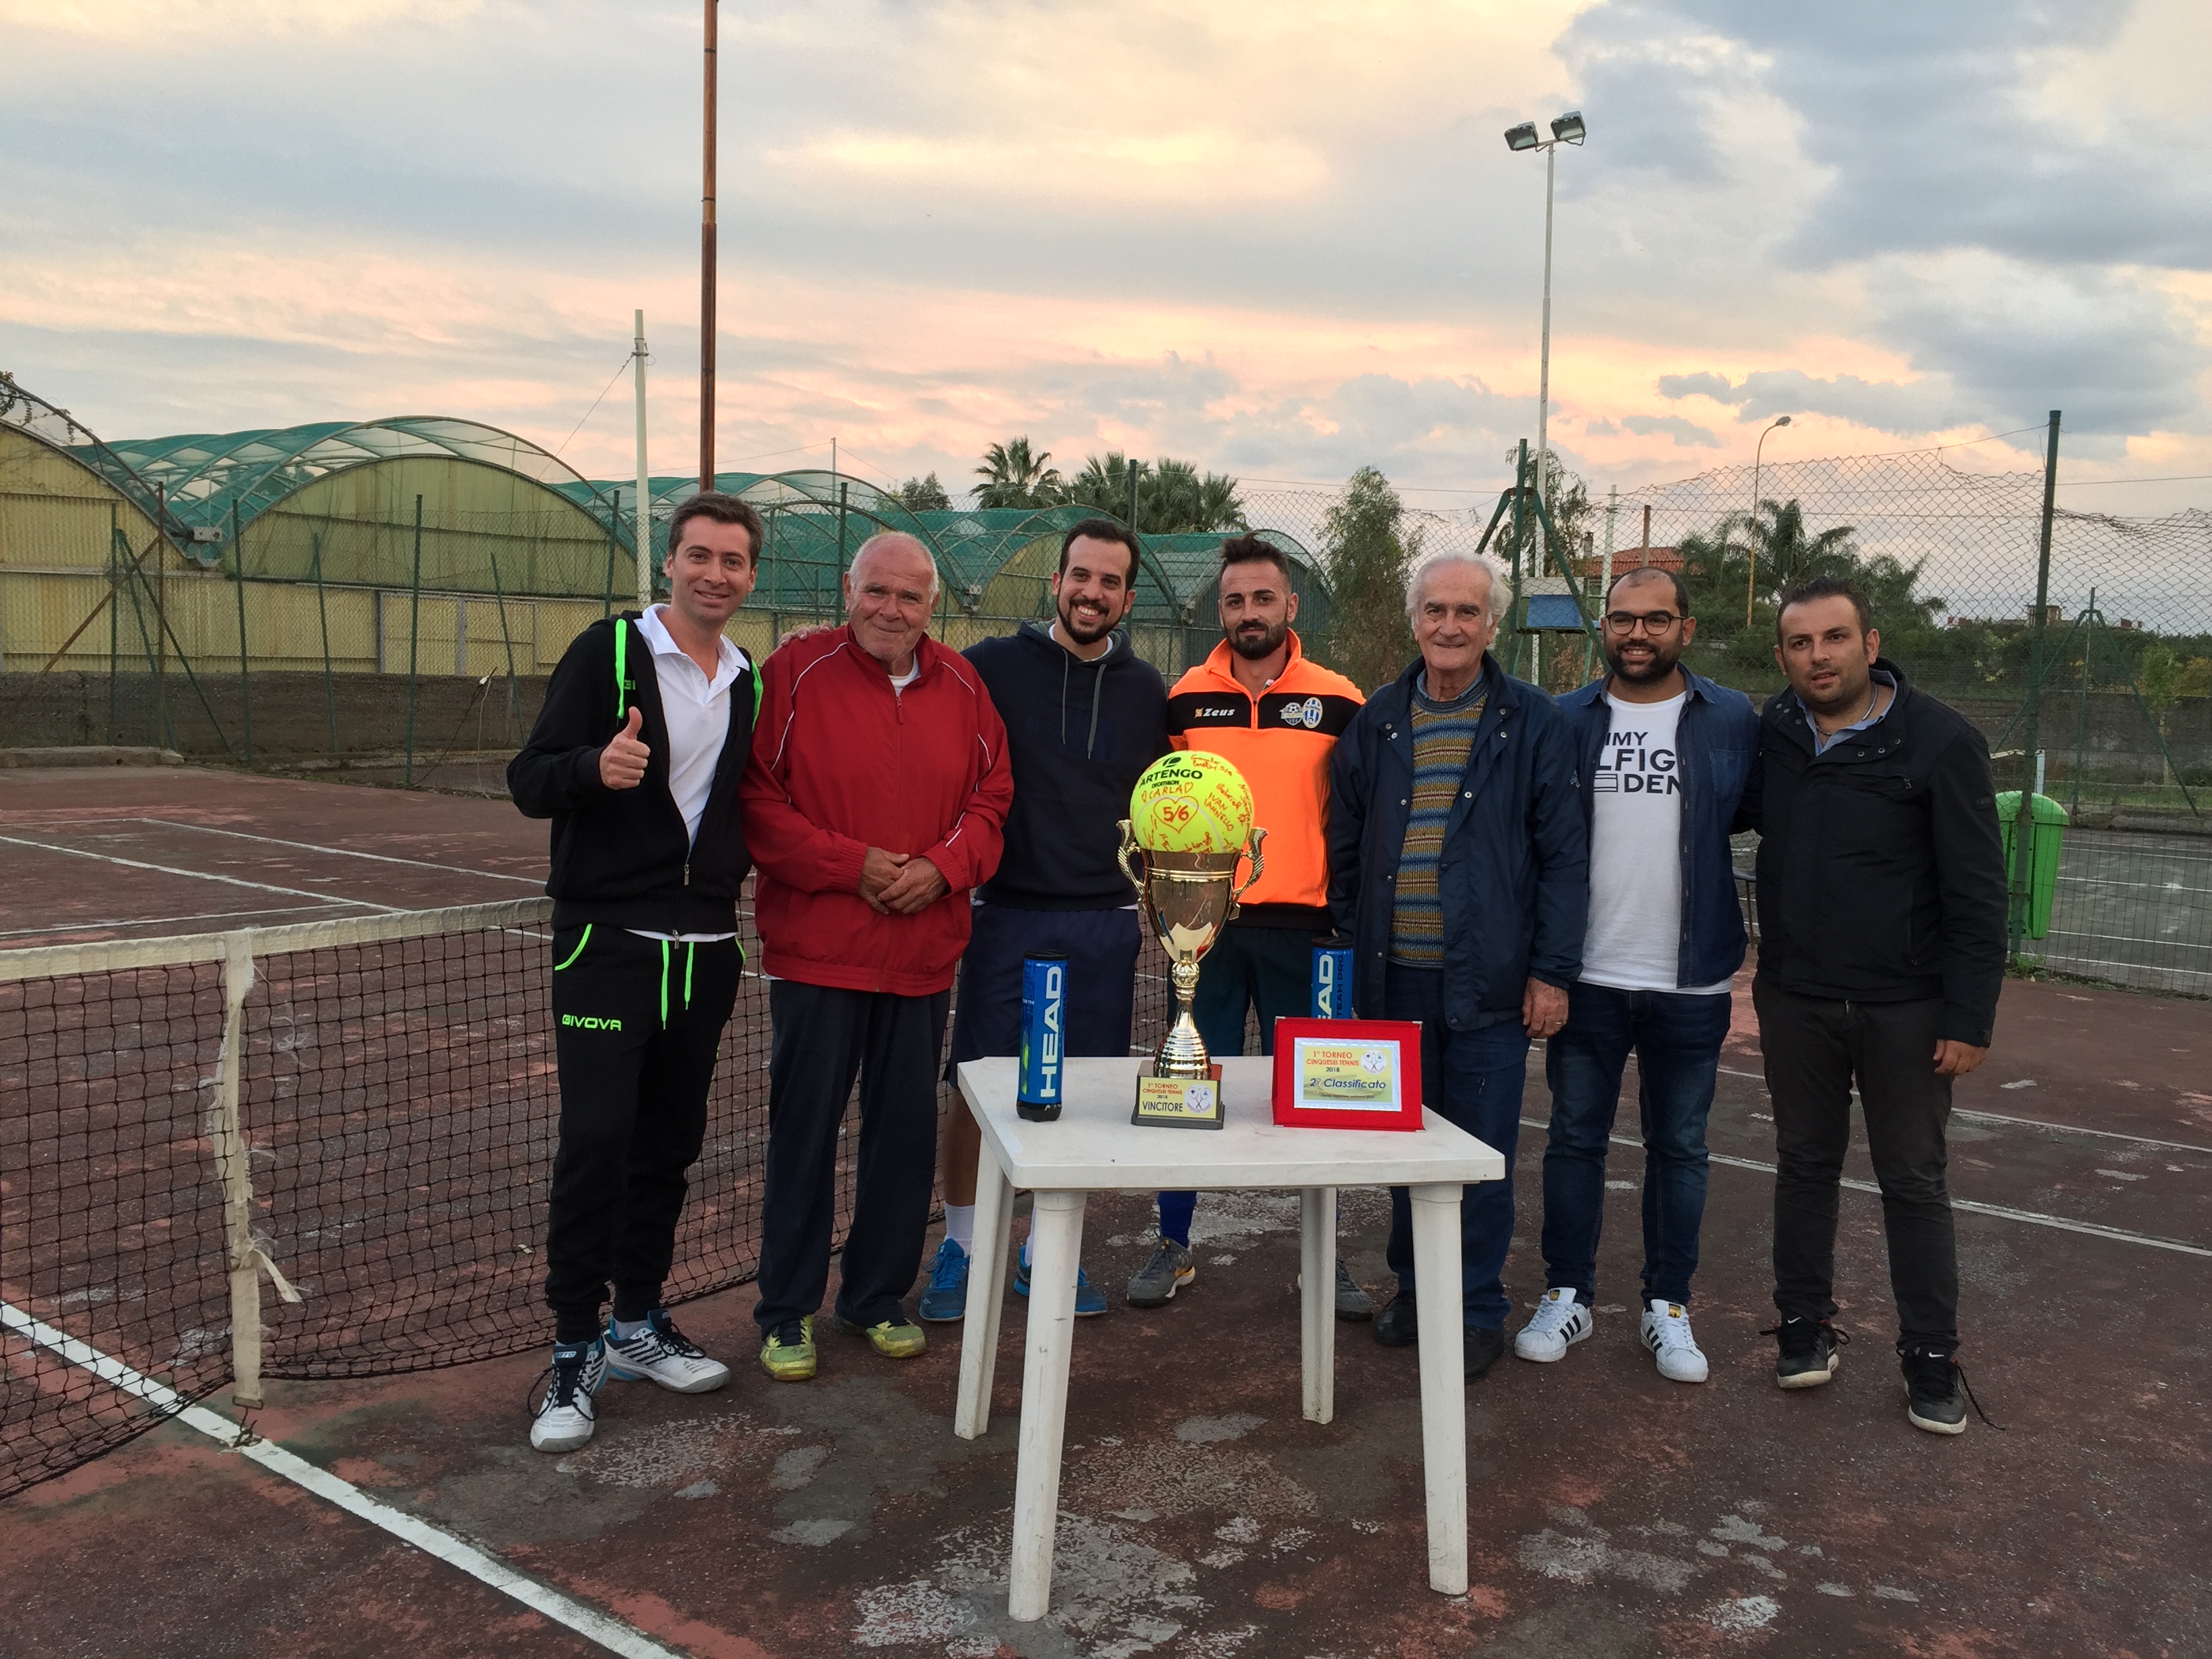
[1473, 1079]
[1677, 1040]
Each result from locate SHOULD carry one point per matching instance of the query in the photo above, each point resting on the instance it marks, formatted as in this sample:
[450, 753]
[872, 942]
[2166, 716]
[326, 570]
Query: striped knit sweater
[1443, 737]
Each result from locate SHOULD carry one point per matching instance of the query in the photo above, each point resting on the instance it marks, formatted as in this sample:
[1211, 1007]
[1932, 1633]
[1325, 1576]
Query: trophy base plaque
[1180, 1102]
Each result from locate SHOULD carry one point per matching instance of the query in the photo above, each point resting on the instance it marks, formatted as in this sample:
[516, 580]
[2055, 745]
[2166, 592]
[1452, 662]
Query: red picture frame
[1298, 1041]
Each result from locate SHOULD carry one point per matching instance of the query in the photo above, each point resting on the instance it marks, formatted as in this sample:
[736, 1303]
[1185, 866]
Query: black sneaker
[1399, 1325]
[1808, 1355]
[1483, 1348]
[1934, 1391]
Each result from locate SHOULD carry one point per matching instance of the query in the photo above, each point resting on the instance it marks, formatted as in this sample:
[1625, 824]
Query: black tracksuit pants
[1816, 1049]
[638, 1024]
[823, 1037]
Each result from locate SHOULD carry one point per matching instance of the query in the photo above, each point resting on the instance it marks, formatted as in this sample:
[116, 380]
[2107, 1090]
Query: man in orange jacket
[874, 800]
[1260, 702]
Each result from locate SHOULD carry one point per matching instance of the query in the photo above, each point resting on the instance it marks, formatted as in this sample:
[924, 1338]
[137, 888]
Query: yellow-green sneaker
[789, 1354]
[899, 1340]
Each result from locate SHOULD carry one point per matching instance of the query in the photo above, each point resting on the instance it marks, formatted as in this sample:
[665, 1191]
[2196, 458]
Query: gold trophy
[1187, 896]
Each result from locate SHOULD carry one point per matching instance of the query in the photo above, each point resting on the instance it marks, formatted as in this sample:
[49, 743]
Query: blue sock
[1176, 1210]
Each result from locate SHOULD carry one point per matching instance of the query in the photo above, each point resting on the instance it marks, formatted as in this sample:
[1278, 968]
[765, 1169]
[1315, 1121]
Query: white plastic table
[1093, 1147]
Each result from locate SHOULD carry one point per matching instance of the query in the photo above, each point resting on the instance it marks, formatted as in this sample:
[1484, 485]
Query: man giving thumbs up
[647, 727]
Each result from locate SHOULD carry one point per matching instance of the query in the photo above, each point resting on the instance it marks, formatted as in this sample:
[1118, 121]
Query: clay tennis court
[1611, 1512]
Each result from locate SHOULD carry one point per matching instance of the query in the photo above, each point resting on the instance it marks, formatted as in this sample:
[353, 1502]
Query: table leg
[1318, 1300]
[1055, 1248]
[1443, 1381]
[986, 1298]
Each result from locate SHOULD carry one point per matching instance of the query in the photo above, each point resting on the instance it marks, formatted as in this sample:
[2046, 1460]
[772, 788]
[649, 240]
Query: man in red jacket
[873, 802]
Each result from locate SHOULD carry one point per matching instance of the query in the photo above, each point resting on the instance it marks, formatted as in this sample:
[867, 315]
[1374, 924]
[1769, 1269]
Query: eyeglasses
[1653, 621]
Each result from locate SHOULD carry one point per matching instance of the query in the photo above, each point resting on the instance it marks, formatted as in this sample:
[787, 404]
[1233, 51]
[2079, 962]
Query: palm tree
[1013, 477]
[1172, 495]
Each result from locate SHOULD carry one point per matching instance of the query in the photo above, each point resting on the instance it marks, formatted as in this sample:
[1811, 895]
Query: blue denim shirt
[1717, 745]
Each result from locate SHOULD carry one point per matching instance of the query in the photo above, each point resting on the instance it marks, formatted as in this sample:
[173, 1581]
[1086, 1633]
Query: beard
[1081, 630]
[1255, 646]
[1660, 665]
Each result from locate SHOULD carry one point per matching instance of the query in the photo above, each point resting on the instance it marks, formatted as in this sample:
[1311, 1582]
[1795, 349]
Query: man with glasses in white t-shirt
[1665, 757]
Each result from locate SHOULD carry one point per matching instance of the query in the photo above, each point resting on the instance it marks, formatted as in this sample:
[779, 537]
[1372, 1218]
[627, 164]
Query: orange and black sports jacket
[1280, 741]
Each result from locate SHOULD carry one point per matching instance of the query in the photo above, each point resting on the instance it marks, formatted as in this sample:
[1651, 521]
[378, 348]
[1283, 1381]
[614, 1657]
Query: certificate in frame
[1347, 1074]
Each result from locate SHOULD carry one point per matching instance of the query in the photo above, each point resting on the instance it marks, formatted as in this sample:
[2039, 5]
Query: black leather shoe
[1399, 1325]
[1484, 1348]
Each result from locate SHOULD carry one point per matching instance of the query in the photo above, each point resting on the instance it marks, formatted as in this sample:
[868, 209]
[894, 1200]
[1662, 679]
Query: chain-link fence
[410, 645]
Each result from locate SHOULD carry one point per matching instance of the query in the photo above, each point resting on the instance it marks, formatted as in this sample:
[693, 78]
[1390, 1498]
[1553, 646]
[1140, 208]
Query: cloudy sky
[1281, 240]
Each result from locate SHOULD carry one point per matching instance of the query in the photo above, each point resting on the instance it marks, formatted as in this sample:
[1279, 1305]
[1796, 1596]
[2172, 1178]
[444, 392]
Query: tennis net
[313, 1151]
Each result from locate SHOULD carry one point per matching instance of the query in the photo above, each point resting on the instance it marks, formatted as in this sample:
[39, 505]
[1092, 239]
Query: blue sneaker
[947, 1298]
[1090, 1300]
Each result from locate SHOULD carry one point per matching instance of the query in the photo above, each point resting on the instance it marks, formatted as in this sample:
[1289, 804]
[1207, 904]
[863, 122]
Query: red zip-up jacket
[843, 764]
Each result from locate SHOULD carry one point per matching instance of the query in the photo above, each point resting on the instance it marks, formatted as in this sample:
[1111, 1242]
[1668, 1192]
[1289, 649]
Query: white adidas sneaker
[1667, 1334]
[661, 1353]
[1560, 1322]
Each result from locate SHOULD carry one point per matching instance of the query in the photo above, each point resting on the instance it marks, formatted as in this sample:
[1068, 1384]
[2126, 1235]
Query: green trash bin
[2047, 830]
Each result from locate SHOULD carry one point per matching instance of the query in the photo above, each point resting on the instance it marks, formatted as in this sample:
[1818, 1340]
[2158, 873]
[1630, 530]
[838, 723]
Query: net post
[228, 1141]
[114, 617]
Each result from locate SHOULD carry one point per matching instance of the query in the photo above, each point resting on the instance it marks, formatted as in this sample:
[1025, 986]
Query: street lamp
[1751, 525]
[1567, 129]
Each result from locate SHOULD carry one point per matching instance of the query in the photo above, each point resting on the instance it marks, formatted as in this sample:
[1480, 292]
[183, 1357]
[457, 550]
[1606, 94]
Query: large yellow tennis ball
[1190, 801]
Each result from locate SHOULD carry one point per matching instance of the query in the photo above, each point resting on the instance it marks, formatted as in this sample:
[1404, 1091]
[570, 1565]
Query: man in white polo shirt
[1664, 757]
[635, 757]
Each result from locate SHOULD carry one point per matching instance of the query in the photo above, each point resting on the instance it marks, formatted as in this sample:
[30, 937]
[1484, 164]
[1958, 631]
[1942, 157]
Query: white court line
[196, 875]
[610, 1632]
[1759, 1078]
[2003, 1213]
[340, 852]
[161, 921]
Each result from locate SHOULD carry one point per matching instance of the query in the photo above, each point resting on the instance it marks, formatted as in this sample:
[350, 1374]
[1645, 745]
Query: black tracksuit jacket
[1881, 867]
[621, 856]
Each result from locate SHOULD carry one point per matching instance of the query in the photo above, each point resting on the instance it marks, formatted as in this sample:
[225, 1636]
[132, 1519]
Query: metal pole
[2082, 717]
[2024, 815]
[161, 613]
[707, 265]
[114, 621]
[644, 503]
[323, 614]
[844, 493]
[245, 677]
[1751, 525]
[1543, 357]
[414, 637]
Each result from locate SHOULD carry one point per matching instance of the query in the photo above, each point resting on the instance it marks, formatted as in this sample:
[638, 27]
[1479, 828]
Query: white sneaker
[1667, 1334]
[564, 1420]
[661, 1353]
[1560, 1322]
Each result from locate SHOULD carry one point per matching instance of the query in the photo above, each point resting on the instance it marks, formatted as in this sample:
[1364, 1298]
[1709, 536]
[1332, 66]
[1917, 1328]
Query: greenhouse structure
[369, 593]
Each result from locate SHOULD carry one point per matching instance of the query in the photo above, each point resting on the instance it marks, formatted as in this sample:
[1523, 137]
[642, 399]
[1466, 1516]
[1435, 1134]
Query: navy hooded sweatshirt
[1079, 735]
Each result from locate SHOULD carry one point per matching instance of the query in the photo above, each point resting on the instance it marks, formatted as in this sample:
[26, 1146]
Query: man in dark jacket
[636, 757]
[1084, 716]
[874, 805]
[1665, 754]
[1881, 922]
[1457, 864]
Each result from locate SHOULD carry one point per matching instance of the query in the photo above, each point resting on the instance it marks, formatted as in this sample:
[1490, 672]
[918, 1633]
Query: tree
[924, 495]
[1172, 496]
[1566, 500]
[1367, 554]
[1013, 477]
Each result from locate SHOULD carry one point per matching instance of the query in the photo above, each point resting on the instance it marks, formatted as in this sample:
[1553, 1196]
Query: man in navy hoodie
[1084, 716]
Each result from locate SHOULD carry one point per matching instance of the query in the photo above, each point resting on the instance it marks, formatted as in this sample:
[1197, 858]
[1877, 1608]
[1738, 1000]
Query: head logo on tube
[1044, 1037]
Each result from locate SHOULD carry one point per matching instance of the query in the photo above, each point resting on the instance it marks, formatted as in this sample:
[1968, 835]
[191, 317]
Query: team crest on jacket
[1306, 714]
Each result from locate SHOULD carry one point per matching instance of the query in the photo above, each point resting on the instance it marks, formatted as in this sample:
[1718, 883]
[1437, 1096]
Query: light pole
[1751, 525]
[1567, 129]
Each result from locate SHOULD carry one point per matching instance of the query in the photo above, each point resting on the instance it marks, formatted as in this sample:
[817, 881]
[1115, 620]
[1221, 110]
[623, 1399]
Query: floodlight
[1569, 128]
[1522, 136]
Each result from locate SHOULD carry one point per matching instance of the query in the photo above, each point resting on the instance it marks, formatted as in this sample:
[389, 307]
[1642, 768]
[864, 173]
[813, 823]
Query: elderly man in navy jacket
[1664, 757]
[1458, 864]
